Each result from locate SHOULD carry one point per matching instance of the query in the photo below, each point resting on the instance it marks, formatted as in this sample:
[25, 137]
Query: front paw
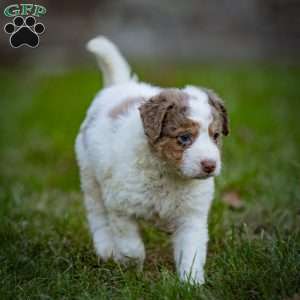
[104, 247]
[130, 253]
[195, 277]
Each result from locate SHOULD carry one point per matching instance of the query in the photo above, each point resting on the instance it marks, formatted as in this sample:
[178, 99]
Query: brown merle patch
[164, 119]
[124, 106]
[220, 116]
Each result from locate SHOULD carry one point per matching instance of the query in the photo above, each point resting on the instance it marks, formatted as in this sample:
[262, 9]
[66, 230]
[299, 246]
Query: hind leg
[97, 217]
[96, 213]
[114, 236]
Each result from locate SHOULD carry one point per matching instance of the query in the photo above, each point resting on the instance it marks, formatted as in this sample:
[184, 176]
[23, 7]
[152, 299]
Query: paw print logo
[24, 32]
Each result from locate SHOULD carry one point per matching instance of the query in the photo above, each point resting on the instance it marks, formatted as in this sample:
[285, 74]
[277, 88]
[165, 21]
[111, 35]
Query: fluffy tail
[111, 62]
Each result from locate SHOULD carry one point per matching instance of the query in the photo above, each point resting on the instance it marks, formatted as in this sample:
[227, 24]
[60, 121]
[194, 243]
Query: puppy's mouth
[204, 176]
[198, 176]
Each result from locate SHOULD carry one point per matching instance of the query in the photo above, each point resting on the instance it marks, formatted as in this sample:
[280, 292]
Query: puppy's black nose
[208, 165]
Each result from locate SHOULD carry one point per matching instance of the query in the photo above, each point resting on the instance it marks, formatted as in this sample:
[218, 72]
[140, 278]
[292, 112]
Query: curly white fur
[122, 180]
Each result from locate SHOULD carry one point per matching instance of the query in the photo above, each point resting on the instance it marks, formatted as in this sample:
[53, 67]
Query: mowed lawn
[45, 248]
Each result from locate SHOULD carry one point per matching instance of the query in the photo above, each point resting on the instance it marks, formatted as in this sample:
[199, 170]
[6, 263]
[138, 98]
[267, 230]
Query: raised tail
[111, 62]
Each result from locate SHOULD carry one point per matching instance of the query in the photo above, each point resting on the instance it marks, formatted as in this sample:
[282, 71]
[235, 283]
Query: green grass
[45, 248]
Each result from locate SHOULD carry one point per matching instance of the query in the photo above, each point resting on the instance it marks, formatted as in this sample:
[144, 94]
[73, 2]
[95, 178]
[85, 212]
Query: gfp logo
[24, 30]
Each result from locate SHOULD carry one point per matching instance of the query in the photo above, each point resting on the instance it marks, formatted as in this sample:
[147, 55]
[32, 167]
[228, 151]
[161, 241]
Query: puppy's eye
[185, 139]
[216, 135]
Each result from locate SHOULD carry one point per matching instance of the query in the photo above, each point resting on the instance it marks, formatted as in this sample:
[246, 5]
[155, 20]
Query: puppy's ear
[217, 103]
[153, 113]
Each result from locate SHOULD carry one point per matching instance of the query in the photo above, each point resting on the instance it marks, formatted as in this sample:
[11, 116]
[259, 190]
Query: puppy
[144, 152]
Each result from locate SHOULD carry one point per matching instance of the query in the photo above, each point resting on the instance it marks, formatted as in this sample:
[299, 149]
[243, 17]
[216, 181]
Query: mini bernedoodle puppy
[149, 152]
